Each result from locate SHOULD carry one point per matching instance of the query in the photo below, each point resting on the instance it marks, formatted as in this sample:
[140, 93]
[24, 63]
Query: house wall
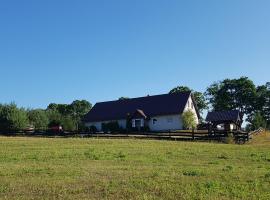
[98, 125]
[192, 108]
[165, 123]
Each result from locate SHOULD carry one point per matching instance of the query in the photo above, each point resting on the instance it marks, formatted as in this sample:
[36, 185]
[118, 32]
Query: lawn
[57, 168]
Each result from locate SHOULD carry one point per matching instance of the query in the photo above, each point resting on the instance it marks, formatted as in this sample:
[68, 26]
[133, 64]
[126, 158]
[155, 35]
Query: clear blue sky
[59, 51]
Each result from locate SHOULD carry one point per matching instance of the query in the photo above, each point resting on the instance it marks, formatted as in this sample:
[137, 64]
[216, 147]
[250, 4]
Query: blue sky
[59, 51]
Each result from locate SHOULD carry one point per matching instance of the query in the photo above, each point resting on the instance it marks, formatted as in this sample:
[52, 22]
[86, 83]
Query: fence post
[193, 136]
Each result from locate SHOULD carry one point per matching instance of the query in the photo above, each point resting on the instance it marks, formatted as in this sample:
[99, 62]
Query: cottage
[158, 113]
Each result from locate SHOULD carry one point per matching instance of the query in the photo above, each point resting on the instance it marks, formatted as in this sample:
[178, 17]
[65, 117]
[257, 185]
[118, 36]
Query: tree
[231, 94]
[189, 120]
[64, 113]
[262, 103]
[63, 109]
[123, 98]
[55, 118]
[179, 89]
[68, 123]
[39, 119]
[13, 118]
[78, 109]
[198, 96]
[257, 121]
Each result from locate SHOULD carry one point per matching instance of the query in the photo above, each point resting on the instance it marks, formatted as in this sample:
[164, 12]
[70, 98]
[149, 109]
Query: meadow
[74, 168]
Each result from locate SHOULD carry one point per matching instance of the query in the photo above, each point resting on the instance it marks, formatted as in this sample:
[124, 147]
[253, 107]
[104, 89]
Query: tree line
[229, 94]
[69, 116]
[236, 94]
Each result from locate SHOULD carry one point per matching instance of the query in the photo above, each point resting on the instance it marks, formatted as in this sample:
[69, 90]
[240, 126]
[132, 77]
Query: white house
[159, 113]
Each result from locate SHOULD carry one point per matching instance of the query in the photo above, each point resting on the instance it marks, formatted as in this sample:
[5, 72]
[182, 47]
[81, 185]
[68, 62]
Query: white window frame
[134, 122]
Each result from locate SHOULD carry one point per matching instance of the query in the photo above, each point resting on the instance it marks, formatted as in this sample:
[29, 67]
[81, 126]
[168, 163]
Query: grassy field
[44, 168]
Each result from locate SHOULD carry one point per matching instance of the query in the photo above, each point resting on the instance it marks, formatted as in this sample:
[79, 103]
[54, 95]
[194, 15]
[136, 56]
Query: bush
[112, 127]
[145, 129]
[93, 129]
[189, 120]
[104, 127]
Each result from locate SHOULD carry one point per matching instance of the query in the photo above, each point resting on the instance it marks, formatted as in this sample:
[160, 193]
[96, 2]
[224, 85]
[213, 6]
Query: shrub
[189, 120]
[104, 127]
[111, 127]
[93, 129]
[145, 129]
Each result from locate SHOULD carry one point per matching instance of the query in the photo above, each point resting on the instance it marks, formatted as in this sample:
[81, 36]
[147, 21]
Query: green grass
[44, 168]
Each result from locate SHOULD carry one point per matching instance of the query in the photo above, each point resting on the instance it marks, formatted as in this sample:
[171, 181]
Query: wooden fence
[239, 137]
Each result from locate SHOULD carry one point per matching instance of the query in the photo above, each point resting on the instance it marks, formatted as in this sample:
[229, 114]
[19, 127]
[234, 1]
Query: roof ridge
[144, 97]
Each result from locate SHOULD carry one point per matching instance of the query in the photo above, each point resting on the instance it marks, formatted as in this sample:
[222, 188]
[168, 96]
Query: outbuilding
[227, 120]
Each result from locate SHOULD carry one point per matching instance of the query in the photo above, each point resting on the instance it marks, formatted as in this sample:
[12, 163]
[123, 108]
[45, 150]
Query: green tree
[179, 89]
[13, 118]
[68, 115]
[123, 98]
[189, 120]
[68, 123]
[78, 109]
[262, 103]
[39, 119]
[63, 109]
[231, 94]
[257, 121]
[198, 97]
[55, 118]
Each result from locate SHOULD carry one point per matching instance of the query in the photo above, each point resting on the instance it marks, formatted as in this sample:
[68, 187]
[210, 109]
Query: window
[137, 122]
[192, 105]
[154, 121]
[169, 119]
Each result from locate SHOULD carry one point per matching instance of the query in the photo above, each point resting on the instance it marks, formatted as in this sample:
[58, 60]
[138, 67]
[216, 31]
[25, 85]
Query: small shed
[231, 119]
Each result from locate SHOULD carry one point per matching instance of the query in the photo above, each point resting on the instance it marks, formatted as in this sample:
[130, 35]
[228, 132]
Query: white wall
[165, 123]
[192, 108]
[98, 125]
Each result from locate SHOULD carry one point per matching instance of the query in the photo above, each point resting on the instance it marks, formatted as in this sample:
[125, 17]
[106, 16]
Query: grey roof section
[165, 104]
[232, 115]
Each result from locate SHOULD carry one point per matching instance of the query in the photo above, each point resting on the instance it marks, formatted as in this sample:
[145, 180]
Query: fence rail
[240, 137]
